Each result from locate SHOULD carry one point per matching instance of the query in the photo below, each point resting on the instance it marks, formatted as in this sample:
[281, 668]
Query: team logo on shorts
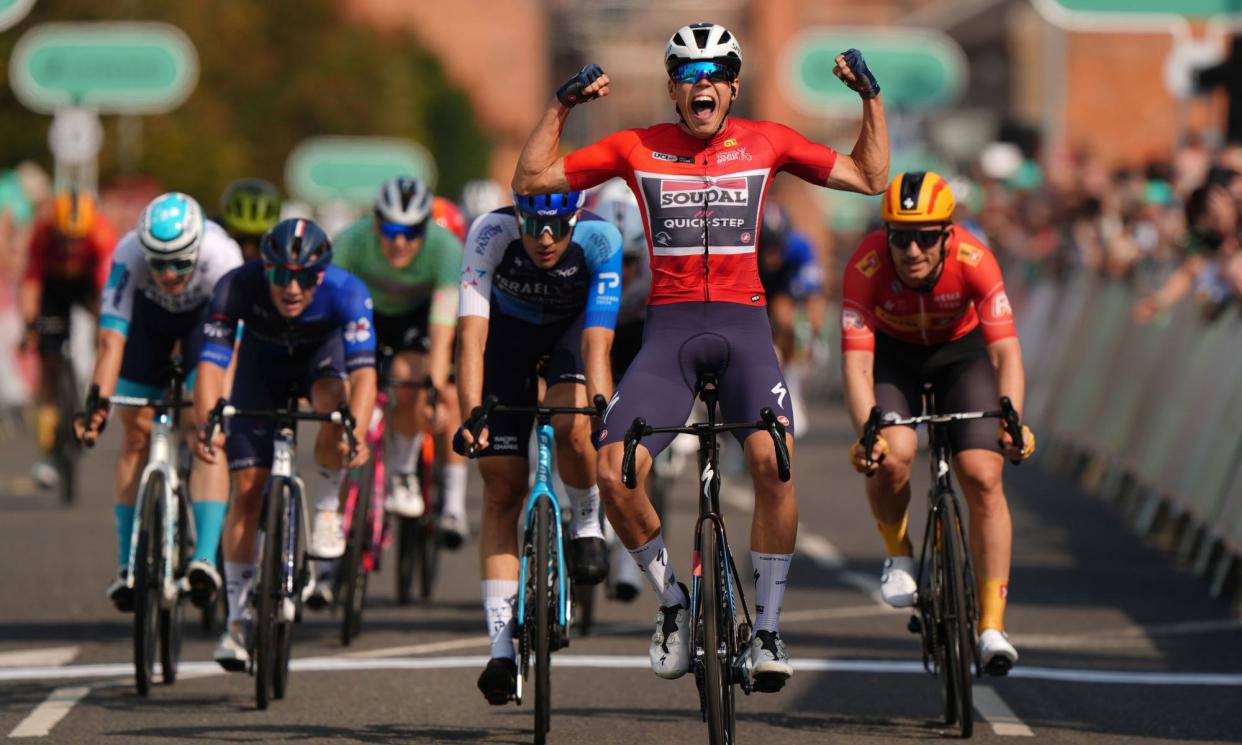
[784, 420]
[869, 264]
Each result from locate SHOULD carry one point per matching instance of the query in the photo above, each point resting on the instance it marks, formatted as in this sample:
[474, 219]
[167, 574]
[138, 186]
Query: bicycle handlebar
[224, 410]
[136, 402]
[1007, 414]
[767, 423]
[477, 421]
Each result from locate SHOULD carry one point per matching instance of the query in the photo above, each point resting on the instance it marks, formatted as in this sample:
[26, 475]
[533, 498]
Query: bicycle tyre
[955, 626]
[543, 571]
[171, 619]
[146, 583]
[717, 636]
[429, 556]
[351, 586]
[284, 628]
[66, 449]
[408, 535]
[268, 593]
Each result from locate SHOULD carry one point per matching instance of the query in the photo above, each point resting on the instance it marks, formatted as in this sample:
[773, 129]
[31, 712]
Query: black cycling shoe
[498, 681]
[121, 594]
[590, 560]
[204, 583]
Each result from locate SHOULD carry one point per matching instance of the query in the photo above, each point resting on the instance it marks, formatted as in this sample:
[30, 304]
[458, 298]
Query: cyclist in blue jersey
[540, 289]
[307, 326]
[162, 276]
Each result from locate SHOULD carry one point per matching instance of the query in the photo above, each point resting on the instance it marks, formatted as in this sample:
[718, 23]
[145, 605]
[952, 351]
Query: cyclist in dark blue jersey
[540, 287]
[307, 327]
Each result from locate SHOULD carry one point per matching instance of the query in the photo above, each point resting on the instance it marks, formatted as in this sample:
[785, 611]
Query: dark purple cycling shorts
[684, 340]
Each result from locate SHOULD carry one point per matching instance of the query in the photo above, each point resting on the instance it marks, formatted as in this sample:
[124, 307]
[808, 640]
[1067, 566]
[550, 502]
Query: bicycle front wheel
[352, 583]
[409, 536]
[147, 568]
[66, 449]
[543, 571]
[288, 609]
[956, 627]
[718, 702]
[269, 594]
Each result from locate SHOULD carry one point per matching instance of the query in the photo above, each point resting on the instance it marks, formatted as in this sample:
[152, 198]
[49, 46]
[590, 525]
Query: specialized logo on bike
[689, 215]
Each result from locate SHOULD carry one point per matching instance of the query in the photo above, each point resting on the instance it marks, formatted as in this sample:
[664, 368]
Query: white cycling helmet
[404, 201]
[480, 196]
[171, 227]
[703, 41]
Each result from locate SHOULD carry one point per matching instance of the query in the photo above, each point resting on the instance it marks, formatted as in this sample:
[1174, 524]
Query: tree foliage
[271, 73]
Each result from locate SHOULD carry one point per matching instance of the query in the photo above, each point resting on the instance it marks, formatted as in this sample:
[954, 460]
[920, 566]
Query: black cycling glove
[865, 84]
[570, 94]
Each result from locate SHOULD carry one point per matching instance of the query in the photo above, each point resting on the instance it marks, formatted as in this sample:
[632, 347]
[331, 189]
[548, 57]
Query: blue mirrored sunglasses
[282, 276]
[393, 231]
[692, 72]
[559, 227]
[179, 267]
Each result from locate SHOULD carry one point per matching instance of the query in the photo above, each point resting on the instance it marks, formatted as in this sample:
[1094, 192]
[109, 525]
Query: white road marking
[51, 656]
[828, 614]
[1125, 636]
[902, 667]
[421, 649]
[993, 708]
[45, 716]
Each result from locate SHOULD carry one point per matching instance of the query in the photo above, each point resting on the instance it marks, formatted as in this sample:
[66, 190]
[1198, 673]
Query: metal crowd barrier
[1148, 416]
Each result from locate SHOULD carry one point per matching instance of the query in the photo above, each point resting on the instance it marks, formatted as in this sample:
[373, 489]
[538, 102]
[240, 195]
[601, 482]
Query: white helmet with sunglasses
[403, 201]
[703, 42]
[171, 232]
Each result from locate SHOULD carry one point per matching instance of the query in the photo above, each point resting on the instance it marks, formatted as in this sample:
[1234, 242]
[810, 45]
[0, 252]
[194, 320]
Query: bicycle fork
[162, 459]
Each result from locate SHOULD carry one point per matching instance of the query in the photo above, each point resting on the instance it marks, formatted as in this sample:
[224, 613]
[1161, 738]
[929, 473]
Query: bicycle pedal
[998, 667]
[769, 682]
[914, 625]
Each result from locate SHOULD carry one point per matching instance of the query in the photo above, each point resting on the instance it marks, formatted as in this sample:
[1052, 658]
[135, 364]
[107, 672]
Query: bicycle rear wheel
[543, 571]
[352, 587]
[429, 539]
[409, 535]
[268, 593]
[717, 641]
[955, 625]
[301, 575]
[171, 618]
[147, 568]
[65, 450]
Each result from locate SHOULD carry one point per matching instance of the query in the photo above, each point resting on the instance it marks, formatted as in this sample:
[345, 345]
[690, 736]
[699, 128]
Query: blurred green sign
[351, 169]
[1194, 8]
[12, 11]
[917, 69]
[118, 68]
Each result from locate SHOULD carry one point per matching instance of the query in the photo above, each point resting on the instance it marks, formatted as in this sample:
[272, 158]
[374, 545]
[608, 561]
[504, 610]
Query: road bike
[283, 562]
[945, 604]
[719, 645]
[66, 448]
[162, 538]
[544, 610]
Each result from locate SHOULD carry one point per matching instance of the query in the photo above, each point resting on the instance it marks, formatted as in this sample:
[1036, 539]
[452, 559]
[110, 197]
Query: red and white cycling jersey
[701, 200]
[970, 291]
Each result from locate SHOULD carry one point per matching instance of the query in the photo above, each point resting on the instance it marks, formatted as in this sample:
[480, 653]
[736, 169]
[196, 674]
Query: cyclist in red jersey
[67, 264]
[700, 185]
[923, 302]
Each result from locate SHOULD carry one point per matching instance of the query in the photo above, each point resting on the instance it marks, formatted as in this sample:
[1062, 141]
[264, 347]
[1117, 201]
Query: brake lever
[870, 434]
[777, 430]
[633, 436]
[1013, 425]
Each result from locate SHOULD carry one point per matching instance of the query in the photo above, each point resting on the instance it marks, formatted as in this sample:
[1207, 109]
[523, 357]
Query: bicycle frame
[375, 442]
[542, 489]
[284, 447]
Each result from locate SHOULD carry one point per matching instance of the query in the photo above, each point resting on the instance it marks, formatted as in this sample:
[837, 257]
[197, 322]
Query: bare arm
[472, 332]
[440, 356]
[362, 387]
[858, 379]
[208, 389]
[540, 168]
[109, 350]
[865, 169]
[596, 349]
[1006, 358]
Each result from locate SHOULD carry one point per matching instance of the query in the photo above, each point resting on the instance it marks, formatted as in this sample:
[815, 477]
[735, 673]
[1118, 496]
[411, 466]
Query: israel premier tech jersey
[701, 199]
[341, 306]
[497, 275]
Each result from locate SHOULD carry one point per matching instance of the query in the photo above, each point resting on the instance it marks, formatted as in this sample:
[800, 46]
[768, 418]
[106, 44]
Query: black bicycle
[719, 645]
[945, 605]
[283, 563]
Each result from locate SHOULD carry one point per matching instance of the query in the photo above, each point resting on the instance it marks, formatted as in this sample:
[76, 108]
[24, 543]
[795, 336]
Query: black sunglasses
[926, 239]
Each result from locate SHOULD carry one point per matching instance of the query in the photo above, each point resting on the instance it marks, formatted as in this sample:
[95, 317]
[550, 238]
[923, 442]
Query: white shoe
[405, 496]
[327, 538]
[769, 662]
[670, 644]
[897, 584]
[232, 652]
[44, 474]
[996, 652]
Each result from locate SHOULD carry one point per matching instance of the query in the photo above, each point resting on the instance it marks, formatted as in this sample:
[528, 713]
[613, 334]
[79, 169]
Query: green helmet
[251, 207]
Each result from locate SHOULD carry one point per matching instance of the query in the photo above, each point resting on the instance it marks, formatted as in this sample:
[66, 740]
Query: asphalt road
[1118, 644]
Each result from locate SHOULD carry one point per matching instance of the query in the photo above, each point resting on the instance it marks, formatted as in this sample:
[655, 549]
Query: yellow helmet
[74, 213]
[918, 196]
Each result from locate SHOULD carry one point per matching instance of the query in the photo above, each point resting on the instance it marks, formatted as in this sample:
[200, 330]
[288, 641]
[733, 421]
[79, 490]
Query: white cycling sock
[652, 559]
[585, 502]
[238, 582]
[405, 452]
[326, 486]
[455, 489]
[499, 599]
[771, 572]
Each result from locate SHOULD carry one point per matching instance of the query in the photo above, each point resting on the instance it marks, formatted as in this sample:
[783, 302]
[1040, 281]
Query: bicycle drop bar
[342, 416]
[767, 423]
[1007, 414]
[136, 402]
[477, 420]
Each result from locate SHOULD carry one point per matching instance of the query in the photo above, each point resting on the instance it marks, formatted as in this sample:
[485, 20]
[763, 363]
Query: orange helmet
[74, 213]
[447, 216]
[918, 196]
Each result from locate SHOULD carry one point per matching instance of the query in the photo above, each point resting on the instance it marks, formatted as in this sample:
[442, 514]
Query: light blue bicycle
[544, 608]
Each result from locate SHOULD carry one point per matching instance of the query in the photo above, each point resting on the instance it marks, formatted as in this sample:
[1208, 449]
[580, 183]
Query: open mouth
[703, 107]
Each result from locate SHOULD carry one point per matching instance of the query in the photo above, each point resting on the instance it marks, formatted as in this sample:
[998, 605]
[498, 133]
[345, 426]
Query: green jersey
[431, 278]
